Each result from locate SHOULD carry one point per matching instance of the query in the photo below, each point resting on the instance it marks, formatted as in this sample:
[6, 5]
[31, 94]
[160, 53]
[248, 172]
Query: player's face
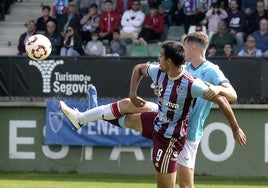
[162, 60]
[189, 51]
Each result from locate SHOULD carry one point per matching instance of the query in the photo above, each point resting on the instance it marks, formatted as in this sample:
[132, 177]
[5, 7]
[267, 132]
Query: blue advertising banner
[59, 130]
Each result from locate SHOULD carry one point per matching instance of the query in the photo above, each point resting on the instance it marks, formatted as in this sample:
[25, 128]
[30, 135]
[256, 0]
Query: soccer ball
[38, 47]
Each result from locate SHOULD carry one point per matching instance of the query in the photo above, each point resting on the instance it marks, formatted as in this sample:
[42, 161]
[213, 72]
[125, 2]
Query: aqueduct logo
[46, 68]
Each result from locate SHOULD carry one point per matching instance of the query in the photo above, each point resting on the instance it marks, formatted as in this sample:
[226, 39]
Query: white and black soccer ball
[38, 47]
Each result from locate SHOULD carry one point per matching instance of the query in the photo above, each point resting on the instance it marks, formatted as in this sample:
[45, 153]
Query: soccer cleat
[71, 114]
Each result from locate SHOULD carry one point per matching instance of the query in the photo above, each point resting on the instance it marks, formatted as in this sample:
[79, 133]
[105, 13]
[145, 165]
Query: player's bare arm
[138, 72]
[225, 107]
[225, 89]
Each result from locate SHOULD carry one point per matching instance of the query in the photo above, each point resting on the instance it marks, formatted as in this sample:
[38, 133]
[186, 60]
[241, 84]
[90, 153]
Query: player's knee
[125, 105]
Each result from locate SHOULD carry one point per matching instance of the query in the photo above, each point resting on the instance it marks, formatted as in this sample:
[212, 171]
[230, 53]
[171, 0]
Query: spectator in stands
[41, 22]
[83, 6]
[131, 22]
[72, 43]
[25, 36]
[221, 38]
[119, 6]
[118, 46]
[214, 15]
[236, 22]
[194, 13]
[5, 8]
[177, 13]
[261, 36]
[123, 5]
[54, 37]
[207, 4]
[71, 18]
[248, 6]
[166, 9]
[256, 16]
[59, 7]
[251, 50]
[197, 28]
[224, 4]
[90, 23]
[109, 21]
[153, 26]
[212, 51]
[94, 47]
[228, 50]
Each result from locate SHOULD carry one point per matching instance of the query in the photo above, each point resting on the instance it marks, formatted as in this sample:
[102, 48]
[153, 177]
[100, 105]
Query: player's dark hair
[175, 51]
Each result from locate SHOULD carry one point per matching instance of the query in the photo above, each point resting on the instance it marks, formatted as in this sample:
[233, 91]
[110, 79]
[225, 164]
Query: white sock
[108, 112]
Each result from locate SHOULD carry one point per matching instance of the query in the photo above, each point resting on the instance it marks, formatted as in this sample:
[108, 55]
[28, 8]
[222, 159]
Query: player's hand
[137, 101]
[240, 136]
[211, 92]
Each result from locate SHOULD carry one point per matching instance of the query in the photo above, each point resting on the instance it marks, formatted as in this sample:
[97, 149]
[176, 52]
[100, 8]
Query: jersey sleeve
[153, 71]
[198, 88]
[217, 76]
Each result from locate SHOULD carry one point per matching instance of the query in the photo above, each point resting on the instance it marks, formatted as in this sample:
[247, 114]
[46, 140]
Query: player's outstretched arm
[225, 107]
[138, 72]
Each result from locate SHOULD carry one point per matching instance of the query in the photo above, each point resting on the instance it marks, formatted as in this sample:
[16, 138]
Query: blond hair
[199, 38]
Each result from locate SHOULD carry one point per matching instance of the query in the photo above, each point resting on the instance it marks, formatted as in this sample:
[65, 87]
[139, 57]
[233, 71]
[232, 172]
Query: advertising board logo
[59, 82]
[46, 68]
[55, 121]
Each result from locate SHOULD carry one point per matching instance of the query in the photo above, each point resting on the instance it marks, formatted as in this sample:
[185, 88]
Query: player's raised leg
[106, 112]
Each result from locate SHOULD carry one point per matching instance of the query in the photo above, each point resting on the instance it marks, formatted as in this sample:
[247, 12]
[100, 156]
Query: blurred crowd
[107, 27]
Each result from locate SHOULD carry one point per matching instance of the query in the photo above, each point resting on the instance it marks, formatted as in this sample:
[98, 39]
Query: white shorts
[188, 154]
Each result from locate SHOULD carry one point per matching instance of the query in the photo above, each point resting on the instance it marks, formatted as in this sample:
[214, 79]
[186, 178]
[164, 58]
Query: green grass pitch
[73, 180]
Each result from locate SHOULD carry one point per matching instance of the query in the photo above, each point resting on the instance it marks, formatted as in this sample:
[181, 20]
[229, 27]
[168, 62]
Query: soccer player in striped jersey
[177, 91]
[174, 132]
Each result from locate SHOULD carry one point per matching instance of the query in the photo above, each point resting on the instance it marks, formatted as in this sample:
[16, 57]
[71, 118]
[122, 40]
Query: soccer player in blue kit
[118, 108]
[196, 64]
